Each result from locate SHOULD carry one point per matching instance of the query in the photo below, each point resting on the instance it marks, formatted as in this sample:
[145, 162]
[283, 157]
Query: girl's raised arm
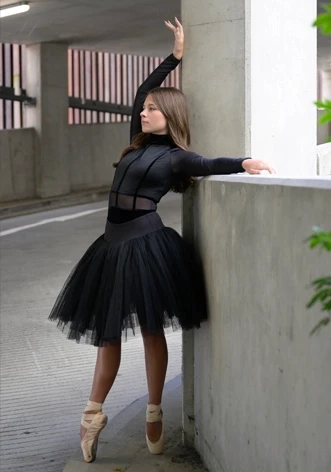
[156, 78]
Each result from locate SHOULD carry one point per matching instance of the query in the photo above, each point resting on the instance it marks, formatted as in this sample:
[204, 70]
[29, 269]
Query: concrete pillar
[188, 420]
[326, 84]
[47, 80]
[250, 76]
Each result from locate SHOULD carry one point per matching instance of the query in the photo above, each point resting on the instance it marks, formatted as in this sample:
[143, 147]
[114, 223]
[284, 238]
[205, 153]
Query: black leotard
[145, 175]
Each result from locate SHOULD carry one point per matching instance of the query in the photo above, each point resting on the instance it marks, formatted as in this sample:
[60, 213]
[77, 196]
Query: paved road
[46, 379]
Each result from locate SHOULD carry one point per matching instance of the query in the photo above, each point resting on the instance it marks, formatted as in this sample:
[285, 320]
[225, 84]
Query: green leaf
[327, 306]
[320, 238]
[326, 104]
[314, 242]
[321, 282]
[323, 22]
[322, 286]
[325, 118]
[323, 322]
[324, 294]
[321, 296]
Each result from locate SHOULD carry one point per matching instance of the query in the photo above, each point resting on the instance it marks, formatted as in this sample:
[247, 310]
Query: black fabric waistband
[119, 216]
[116, 233]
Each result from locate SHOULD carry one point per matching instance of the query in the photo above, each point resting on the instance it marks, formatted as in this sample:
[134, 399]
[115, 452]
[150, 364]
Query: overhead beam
[95, 105]
[8, 93]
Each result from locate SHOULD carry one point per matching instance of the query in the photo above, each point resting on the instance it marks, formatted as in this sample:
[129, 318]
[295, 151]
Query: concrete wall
[262, 385]
[17, 164]
[91, 151]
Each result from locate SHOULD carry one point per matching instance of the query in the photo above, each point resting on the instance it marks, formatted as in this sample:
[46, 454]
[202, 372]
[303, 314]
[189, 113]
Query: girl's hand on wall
[255, 166]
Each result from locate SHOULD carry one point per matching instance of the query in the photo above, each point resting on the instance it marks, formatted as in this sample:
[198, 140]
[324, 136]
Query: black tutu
[138, 273]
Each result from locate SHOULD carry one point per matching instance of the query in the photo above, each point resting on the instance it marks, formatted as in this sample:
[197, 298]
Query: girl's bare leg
[106, 368]
[156, 361]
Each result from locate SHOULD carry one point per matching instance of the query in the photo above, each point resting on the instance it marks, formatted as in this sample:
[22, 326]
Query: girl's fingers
[265, 166]
[175, 29]
[259, 171]
[261, 165]
[256, 166]
[178, 23]
[170, 25]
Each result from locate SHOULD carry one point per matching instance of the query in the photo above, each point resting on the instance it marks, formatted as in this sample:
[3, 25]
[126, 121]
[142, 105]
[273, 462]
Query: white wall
[261, 384]
[282, 83]
[324, 159]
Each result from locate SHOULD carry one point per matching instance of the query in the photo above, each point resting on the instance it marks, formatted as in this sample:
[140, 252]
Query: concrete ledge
[122, 446]
[304, 182]
[24, 207]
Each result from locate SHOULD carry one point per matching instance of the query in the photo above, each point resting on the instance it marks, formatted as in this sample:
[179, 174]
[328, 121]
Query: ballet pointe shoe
[94, 424]
[154, 414]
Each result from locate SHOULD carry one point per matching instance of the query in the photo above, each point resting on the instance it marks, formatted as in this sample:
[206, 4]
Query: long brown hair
[171, 102]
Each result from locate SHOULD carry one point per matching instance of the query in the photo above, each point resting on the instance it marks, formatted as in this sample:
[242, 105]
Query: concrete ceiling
[125, 26]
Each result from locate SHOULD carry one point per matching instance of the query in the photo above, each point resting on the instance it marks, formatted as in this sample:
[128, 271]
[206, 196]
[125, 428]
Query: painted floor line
[50, 220]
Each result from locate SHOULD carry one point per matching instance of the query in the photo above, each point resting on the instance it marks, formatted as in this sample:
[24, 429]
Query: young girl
[139, 272]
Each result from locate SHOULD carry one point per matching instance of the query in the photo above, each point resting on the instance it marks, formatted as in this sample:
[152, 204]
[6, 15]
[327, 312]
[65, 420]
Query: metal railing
[101, 86]
[12, 79]
[104, 85]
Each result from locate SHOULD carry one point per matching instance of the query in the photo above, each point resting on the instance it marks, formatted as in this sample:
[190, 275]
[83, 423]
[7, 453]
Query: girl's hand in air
[179, 38]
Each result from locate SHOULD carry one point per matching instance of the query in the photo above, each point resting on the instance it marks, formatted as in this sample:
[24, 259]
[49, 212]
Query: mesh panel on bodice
[130, 202]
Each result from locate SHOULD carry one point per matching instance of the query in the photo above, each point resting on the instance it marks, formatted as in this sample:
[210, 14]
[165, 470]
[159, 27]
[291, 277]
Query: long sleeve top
[145, 175]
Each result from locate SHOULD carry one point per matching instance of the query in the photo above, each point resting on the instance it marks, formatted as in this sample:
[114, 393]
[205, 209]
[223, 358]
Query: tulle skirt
[138, 273]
